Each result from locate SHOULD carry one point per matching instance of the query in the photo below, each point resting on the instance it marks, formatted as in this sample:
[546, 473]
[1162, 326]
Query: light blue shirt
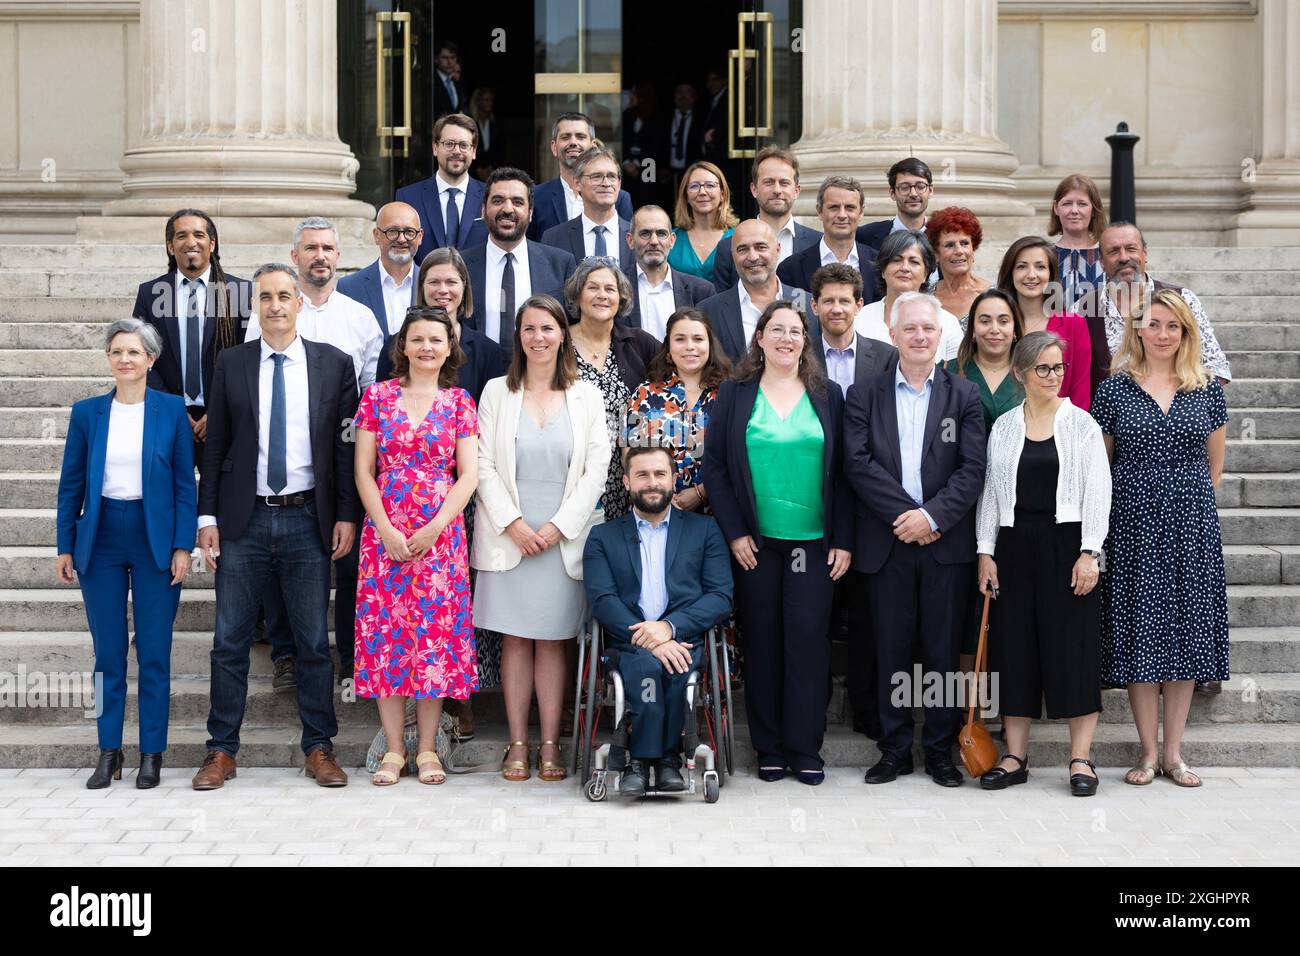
[182, 316]
[654, 580]
[913, 407]
[840, 364]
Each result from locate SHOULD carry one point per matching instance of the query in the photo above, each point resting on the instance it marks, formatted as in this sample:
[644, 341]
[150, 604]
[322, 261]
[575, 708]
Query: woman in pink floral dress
[416, 468]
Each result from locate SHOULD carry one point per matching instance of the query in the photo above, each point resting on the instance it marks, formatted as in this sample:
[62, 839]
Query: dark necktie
[601, 250]
[506, 335]
[193, 341]
[679, 139]
[452, 217]
[276, 464]
[451, 92]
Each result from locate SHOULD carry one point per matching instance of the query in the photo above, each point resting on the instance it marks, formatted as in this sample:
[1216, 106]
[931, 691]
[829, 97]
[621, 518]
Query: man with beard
[657, 579]
[597, 230]
[387, 286]
[559, 200]
[448, 202]
[911, 185]
[660, 290]
[507, 268]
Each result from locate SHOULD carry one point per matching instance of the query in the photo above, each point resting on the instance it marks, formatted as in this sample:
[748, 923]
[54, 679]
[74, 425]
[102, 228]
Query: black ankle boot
[150, 771]
[107, 770]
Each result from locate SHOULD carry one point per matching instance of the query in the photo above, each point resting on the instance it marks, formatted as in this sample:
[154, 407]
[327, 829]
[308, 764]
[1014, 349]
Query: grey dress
[536, 598]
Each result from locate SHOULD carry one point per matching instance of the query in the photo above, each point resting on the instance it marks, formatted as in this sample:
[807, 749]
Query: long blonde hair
[684, 215]
[1131, 358]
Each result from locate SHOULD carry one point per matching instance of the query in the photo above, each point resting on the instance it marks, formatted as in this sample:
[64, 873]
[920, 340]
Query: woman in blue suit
[126, 521]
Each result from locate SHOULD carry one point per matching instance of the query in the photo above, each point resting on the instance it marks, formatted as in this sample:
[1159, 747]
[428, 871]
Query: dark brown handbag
[978, 751]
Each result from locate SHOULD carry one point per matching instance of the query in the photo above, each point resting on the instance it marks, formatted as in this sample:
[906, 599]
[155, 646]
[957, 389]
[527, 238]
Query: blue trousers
[656, 700]
[345, 612]
[122, 562]
[280, 548]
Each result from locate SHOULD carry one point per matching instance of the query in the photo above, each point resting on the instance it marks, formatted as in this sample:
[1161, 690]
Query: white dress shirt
[182, 314]
[785, 241]
[611, 234]
[342, 322]
[749, 312]
[493, 267]
[656, 302]
[871, 323]
[828, 257]
[443, 186]
[572, 201]
[124, 453]
[398, 297]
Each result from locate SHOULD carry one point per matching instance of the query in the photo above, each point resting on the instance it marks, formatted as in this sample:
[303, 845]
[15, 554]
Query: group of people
[666, 423]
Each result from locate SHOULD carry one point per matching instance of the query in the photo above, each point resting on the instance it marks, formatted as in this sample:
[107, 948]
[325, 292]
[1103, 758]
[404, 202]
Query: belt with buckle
[295, 500]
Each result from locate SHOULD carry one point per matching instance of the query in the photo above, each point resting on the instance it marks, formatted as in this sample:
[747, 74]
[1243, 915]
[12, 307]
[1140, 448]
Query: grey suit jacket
[870, 357]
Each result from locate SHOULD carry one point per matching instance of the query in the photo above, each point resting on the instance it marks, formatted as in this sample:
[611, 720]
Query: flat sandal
[1142, 774]
[430, 768]
[1180, 773]
[386, 778]
[516, 771]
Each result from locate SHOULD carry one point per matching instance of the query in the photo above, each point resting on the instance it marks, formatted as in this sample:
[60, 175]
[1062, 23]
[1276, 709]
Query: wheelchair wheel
[595, 790]
[712, 786]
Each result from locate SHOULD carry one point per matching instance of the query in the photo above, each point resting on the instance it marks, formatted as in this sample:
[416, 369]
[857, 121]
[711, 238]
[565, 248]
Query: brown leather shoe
[325, 769]
[218, 767]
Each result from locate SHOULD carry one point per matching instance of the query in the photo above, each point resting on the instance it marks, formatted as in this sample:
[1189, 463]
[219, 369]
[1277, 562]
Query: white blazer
[498, 494]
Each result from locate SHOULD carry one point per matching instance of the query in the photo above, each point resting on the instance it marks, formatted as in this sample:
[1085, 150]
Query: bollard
[1123, 199]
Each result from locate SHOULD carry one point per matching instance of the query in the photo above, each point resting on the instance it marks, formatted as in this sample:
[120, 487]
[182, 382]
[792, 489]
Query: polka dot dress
[1164, 601]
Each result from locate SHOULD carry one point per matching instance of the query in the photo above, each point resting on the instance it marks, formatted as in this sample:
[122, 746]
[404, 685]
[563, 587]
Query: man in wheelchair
[657, 579]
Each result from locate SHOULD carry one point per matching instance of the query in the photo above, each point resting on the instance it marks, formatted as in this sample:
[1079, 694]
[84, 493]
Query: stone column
[239, 118]
[895, 78]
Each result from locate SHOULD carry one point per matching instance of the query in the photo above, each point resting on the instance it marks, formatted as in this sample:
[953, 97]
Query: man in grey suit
[598, 230]
[657, 289]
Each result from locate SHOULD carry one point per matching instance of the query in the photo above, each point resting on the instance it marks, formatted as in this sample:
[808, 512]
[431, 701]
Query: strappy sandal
[386, 778]
[999, 778]
[1082, 784]
[549, 770]
[1142, 774]
[1181, 774]
[515, 770]
[430, 767]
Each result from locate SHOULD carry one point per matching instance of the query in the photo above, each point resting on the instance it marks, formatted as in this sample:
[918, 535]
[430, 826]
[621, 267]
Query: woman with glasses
[1039, 528]
[704, 218]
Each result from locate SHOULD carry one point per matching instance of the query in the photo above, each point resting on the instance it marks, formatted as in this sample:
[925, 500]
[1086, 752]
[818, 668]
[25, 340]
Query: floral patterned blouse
[615, 392]
[659, 414]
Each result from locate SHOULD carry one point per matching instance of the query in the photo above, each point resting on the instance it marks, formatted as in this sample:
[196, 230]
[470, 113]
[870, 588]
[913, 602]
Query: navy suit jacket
[724, 264]
[799, 268]
[873, 233]
[952, 466]
[365, 286]
[550, 209]
[167, 477]
[424, 197]
[697, 572]
[484, 361]
[548, 269]
[687, 290]
[723, 311]
[727, 477]
[568, 236]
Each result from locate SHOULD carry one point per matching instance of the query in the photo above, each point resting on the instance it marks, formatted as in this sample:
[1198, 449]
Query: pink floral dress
[415, 626]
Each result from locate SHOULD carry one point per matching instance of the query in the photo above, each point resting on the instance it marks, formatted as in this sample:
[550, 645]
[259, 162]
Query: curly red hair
[954, 219]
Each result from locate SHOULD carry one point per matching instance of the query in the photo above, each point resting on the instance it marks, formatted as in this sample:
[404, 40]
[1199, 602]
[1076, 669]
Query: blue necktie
[601, 250]
[452, 217]
[276, 467]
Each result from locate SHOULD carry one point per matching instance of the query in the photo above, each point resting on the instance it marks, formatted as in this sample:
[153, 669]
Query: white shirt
[398, 297]
[182, 314]
[124, 454]
[572, 201]
[785, 240]
[656, 302]
[871, 323]
[749, 313]
[443, 186]
[828, 257]
[342, 322]
[494, 266]
[611, 234]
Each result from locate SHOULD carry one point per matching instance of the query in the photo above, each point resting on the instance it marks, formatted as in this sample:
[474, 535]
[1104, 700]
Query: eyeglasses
[908, 189]
[1049, 371]
[396, 232]
[794, 334]
[454, 146]
[602, 177]
[703, 188]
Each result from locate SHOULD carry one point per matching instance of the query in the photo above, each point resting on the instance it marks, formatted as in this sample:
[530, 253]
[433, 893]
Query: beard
[319, 282]
[399, 258]
[652, 501]
[506, 229]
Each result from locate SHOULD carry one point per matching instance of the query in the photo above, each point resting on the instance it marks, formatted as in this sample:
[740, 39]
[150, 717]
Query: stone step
[1277, 309]
[42, 308]
[53, 335]
[60, 609]
[1273, 363]
[1263, 393]
[1243, 423]
[1262, 454]
[1264, 282]
[21, 392]
[1266, 526]
[1259, 490]
[147, 261]
[1258, 336]
[58, 362]
[34, 422]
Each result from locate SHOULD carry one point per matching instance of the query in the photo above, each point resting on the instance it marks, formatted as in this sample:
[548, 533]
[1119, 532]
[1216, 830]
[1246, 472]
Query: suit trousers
[656, 700]
[852, 622]
[916, 601]
[122, 562]
[783, 607]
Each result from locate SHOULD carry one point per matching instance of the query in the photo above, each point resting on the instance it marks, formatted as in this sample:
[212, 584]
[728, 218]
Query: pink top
[1078, 353]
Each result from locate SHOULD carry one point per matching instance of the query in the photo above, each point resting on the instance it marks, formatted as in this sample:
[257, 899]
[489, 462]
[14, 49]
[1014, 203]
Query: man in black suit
[558, 200]
[839, 206]
[278, 497]
[914, 456]
[449, 201]
[198, 311]
[448, 91]
[713, 114]
[911, 185]
[685, 134]
[598, 230]
[658, 290]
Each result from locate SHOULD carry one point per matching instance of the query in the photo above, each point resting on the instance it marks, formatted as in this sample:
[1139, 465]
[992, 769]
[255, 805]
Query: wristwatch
[1094, 554]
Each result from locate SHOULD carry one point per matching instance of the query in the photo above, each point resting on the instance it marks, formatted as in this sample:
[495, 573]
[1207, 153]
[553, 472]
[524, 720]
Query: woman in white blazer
[544, 452]
[1039, 528]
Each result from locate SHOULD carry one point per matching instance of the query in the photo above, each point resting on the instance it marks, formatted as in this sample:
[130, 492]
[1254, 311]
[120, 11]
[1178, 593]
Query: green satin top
[994, 404]
[785, 464]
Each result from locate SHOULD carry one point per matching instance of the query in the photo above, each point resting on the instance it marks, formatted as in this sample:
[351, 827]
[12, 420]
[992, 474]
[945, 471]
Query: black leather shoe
[286, 676]
[941, 770]
[632, 782]
[999, 778]
[107, 770]
[889, 768]
[1083, 784]
[150, 774]
[668, 779]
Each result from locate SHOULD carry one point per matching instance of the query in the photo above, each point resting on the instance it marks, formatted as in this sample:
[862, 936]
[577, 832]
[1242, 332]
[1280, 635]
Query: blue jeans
[345, 612]
[280, 548]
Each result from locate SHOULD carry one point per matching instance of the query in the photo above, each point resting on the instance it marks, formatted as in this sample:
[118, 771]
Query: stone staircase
[55, 300]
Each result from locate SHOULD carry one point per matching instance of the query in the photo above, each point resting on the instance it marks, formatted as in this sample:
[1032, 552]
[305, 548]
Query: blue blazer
[799, 268]
[548, 269]
[874, 233]
[568, 236]
[170, 510]
[697, 575]
[365, 286]
[550, 209]
[724, 263]
[724, 315]
[424, 197]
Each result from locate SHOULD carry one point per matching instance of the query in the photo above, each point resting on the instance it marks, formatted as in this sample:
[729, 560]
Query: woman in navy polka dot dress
[1164, 605]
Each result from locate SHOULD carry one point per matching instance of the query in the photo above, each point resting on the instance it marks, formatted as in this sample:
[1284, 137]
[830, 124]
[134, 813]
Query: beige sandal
[1142, 774]
[386, 778]
[1181, 774]
[430, 767]
[515, 770]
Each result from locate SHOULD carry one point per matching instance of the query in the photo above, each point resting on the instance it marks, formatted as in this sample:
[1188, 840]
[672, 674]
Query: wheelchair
[707, 731]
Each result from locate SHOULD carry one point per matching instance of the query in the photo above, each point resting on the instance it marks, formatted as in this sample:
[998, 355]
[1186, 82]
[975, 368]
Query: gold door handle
[386, 132]
[737, 60]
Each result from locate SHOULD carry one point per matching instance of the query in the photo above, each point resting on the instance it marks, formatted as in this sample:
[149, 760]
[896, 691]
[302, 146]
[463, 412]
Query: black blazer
[724, 263]
[228, 482]
[870, 357]
[155, 303]
[633, 349]
[687, 290]
[799, 268]
[568, 236]
[726, 472]
[724, 315]
[548, 269]
[952, 467]
[484, 361]
[873, 233]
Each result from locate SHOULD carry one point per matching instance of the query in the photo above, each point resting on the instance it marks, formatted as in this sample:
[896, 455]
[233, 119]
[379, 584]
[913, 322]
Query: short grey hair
[909, 297]
[290, 271]
[840, 182]
[593, 154]
[149, 336]
[314, 222]
[1027, 351]
[573, 287]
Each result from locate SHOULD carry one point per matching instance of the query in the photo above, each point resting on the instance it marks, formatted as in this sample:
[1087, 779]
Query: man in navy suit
[914, 447]
[558, 200]
[449, 201]
[774, 182]
[658, 290]
[598, 230]
[839, 206]
[657, 579]
[910, 187]
[734, 313]
[506, 268]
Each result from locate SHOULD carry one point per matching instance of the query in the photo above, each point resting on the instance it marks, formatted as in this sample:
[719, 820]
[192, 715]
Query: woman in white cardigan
[543, 454]
[1041, 522]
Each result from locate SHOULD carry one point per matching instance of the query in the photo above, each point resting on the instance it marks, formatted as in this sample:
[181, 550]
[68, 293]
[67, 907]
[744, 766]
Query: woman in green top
[773, 474]
[703, 218]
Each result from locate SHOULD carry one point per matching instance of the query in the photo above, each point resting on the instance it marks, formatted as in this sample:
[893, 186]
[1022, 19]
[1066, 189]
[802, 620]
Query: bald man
[734, 312]
[387, 285]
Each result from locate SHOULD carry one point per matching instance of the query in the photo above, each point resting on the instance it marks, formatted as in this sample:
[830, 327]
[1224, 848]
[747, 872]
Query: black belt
[295, 500]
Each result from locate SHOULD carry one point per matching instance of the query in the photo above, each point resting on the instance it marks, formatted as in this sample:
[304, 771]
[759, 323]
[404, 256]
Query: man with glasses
[449, 201]
[911, 185]
[559, 200]
[598, 230]
[659, 290]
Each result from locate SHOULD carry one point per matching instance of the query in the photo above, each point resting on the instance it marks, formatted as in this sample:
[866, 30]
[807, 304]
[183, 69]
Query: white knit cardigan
[1082, 482]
